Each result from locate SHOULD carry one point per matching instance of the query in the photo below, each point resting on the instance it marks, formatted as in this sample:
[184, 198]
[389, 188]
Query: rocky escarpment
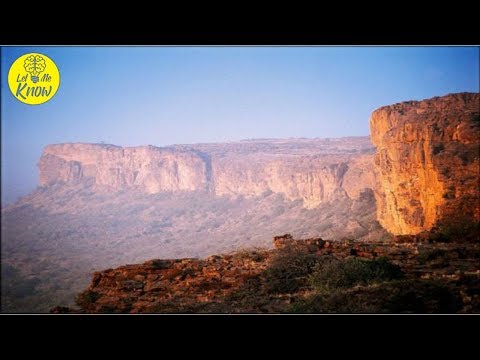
[270, 281]
[147, 168]
[314, 171]
[427, 162]
[315, 180]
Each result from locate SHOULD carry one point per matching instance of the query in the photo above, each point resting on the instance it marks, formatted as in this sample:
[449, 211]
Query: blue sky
[170, 95]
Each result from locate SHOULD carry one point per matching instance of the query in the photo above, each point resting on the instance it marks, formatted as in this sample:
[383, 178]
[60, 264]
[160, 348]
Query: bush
[289, 270]
[400, 296]
[335, 274]
[423, 297]
[432, 254]
[456, 230]
[86, 298]
[254, 254]
[461, 229]
[344, 301]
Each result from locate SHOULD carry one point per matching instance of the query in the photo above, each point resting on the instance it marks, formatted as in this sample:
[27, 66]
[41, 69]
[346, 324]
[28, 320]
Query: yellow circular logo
[33, 78]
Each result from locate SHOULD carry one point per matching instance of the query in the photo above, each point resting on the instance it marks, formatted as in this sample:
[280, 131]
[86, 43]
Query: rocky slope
[428, 280]
[427, 163]
[313, 171]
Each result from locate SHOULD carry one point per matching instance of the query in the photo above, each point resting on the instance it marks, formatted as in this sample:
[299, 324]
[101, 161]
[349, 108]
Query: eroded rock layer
[149, 168]
[427, 162]
[314, 171]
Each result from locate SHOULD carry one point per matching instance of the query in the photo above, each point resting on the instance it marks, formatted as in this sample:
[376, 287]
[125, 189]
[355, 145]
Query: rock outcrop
[427, 162]
[314, 171]
[241, 282]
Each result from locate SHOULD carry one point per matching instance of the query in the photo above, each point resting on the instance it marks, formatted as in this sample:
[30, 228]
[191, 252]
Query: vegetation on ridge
[304, 276]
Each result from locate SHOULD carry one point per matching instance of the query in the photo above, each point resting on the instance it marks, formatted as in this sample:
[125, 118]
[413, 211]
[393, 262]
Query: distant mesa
[311, 170]
[114, 168]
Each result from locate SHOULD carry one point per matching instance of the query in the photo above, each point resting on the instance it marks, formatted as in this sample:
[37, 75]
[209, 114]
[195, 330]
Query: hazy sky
[170, 95]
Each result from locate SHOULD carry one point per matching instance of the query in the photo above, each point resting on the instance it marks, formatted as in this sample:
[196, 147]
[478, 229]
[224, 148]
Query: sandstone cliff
[427, 162]
[315, 171]
[148, 168]
[314, 180]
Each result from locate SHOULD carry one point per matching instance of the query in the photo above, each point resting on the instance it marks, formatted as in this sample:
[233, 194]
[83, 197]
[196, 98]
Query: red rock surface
[236, 282]
[427, 162]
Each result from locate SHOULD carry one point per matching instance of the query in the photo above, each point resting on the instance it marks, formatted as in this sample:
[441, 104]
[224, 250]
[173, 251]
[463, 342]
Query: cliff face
[427, 162]
[148, 168]
[320, 172]
[314, 180]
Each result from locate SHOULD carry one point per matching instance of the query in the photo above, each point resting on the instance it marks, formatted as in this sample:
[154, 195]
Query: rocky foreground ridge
[427, 163]
[310, 275]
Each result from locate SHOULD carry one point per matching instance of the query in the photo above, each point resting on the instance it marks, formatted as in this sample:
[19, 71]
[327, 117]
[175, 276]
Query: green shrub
[86, 298]
[335, 274]
[289, 270]
[456, 229]
[254, 254]
[400, 296]
[422, 296]
[461, 229]
[344, 301]
[431, 254]
[438, 237]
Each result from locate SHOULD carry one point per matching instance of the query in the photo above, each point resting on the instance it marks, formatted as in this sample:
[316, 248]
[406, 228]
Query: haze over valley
[92, 212]
[355, 188]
